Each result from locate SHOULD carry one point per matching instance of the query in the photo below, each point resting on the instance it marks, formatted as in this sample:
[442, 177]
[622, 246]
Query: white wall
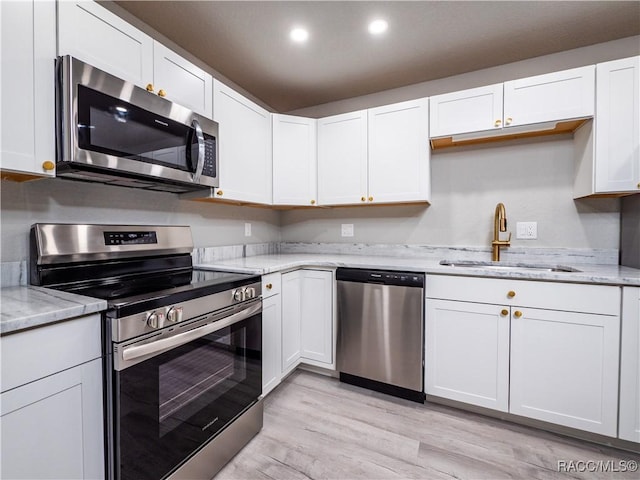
[65, 201]
[533, 178]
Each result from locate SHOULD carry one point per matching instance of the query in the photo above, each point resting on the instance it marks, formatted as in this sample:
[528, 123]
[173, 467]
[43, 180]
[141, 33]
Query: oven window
[185, 386]
[169, 406]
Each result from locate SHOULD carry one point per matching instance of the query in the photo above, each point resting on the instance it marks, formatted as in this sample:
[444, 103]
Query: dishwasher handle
[380, 277]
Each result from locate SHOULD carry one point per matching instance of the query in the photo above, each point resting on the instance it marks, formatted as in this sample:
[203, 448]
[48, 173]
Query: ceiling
[248, 41]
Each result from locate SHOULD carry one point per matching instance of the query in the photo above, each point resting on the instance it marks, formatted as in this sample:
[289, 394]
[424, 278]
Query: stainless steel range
[182, 347]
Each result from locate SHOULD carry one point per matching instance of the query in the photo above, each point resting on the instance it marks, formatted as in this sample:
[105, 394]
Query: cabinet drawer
[599, 299]
[34, 354]
[271, 284]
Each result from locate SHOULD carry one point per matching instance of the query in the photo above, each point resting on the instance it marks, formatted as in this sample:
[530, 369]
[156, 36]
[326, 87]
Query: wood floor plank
[318, 428]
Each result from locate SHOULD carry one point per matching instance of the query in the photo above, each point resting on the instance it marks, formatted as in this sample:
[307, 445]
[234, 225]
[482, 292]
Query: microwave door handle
[159, 346]
[200, 138]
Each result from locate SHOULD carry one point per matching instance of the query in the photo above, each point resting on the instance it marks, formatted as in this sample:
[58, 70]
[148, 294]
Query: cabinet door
[28, 51]
[245, 147]
[399, 152]
[294, 161]
[182, 81]
[467, 353]
[564, 368]
[617, 126]
[630, 366]
[316, 316]
[271, 343]
[342, 159]
[100, 38]
[466, 111]
[291, 301]
[53, 428]
[554, 96]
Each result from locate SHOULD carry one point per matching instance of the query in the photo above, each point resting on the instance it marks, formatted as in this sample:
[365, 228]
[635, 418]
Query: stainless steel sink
[508, 266]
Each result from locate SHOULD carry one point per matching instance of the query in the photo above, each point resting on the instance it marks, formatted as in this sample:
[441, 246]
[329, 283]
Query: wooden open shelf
[560, 128]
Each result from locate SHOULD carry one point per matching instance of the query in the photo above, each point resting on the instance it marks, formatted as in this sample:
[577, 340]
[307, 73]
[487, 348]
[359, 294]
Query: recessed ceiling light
[378, 26]
[299, 35]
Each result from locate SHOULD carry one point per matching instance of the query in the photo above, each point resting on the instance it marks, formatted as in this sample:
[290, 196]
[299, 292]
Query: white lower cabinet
[316, 316]
[307, 319]
[51, 411]
[291, 308]
[271, 343]
[547, 351]
[564, 368]
[52, 428]
[467, 353]
[629, 427]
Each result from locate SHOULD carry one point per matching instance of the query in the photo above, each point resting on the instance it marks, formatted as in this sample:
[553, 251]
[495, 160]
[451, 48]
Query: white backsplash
[15, 273]
[513, 254]
[228, 252]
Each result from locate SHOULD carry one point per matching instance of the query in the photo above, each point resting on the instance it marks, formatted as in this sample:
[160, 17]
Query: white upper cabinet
[294, 161]
[27, 141]
[95, 35]
[527, 105]
[342, 159]
[555, 96]
[181, 81]
[399, 153]
[245, 147]
[472, 110]
[100, 38]
[617, 126]
[607, 161]
[380, 155]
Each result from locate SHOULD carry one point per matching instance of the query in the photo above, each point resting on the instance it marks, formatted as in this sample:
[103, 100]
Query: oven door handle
[159, 346]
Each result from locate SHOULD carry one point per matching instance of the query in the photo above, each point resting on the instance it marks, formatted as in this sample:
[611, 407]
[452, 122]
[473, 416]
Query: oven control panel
[172, 315]
[130, 238]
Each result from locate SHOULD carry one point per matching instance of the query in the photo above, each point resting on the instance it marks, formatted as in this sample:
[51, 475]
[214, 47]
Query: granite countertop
[586, 273]
[25, 307]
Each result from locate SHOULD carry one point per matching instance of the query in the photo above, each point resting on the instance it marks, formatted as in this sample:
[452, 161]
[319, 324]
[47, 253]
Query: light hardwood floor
[318, 428]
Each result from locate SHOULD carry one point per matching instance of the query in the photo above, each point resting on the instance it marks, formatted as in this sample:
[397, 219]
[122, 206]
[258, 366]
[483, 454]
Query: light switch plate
[527, 230]
[347, 229]
[247, 229]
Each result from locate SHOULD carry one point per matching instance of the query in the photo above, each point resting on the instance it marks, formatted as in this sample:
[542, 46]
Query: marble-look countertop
[586, 273]
[26, 307]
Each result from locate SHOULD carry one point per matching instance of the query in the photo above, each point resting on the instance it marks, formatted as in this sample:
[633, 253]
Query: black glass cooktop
[139, 292]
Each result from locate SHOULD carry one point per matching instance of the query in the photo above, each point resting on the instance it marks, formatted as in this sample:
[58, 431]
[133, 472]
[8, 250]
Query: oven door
[170, 404]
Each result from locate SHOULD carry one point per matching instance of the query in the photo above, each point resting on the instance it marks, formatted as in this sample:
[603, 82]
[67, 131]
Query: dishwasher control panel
[385, 277]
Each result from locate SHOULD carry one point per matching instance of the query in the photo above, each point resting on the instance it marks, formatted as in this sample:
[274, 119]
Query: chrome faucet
[499, 225]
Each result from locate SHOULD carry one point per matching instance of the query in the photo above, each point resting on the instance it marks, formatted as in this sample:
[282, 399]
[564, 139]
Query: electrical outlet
[527, 230]
[247, 229]
[347, 229]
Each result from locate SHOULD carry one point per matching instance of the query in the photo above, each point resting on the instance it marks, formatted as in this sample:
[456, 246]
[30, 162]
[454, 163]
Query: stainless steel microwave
[114, 132]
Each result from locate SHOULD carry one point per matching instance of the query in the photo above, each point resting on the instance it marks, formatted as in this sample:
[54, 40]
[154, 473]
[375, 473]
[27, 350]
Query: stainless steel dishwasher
[381, 331]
